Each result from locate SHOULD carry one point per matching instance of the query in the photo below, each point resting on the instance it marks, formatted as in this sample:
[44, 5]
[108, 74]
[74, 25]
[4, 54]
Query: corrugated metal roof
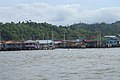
[44, 41]
[11, 42]
[30, 41]
[110, 37]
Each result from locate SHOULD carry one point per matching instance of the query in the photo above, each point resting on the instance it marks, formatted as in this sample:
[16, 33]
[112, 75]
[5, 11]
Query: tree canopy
[32, 30]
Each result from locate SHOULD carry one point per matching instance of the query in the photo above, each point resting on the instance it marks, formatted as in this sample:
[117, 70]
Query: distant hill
[32, 30]
[104, 28]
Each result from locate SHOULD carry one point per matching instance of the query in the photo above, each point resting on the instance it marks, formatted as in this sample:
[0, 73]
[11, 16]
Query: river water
[61, 64]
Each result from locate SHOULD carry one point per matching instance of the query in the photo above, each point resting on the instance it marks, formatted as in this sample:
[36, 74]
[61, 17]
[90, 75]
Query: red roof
[90, 41]
[93, 36]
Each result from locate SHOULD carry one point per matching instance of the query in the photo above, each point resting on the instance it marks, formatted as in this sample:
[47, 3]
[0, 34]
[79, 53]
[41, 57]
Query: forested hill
[32, 30]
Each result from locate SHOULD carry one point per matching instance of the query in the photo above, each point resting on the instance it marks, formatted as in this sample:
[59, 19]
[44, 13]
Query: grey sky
[60, 12]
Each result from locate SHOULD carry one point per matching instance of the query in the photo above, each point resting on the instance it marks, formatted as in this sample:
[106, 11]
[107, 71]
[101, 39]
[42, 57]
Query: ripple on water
[79, 64]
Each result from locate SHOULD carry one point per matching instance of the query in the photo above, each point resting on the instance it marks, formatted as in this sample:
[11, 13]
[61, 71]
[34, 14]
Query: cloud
[40, 5]
[22, 6]
[107, 15]
[58, 14]
[64, 12]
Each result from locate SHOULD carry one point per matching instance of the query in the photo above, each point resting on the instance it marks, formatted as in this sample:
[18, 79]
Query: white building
[111, 41]
[46, 44]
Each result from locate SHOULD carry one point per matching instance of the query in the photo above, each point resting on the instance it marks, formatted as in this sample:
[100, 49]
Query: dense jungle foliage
[31, 30]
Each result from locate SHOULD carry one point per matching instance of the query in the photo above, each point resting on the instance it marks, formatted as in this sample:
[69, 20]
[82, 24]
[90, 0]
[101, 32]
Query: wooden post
[64, 38]
[100, 39]
[52, 38]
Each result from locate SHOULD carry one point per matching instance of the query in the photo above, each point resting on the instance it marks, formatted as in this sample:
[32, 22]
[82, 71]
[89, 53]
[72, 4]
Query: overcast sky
[60, 12]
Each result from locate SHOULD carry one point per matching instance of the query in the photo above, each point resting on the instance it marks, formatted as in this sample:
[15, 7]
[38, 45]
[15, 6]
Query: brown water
[61, 64]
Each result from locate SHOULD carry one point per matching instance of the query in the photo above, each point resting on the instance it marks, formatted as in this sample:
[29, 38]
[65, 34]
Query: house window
[110, 41]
